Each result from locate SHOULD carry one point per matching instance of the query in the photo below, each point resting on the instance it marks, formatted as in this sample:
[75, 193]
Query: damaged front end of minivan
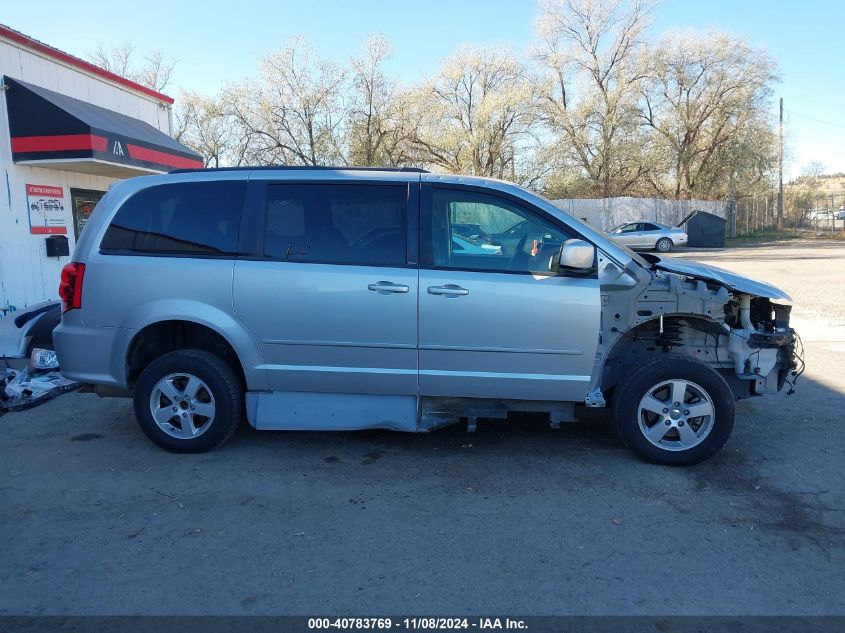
[736, 325]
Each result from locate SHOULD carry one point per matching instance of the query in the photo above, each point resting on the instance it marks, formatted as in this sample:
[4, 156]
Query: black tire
[640, 382]
[663, 245]
[224, 391]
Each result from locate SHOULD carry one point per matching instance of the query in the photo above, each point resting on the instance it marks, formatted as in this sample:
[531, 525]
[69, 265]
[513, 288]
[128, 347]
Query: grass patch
[771, 235]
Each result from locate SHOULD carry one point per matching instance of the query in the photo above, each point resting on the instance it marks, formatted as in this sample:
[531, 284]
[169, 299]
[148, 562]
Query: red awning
[51, 129]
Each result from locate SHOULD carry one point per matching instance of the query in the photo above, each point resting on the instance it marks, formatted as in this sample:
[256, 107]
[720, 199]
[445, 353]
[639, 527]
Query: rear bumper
[95, 355]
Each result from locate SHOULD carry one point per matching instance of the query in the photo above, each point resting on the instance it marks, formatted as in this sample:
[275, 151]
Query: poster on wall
[82, 203]
[46, 209]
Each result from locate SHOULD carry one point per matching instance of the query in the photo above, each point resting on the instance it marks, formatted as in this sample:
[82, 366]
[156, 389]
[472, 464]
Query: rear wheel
[664, 245]
[188, 401]
[674, 411]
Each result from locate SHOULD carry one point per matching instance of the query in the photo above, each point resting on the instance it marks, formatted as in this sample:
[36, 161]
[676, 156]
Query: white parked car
[649, 235]
[821, 216]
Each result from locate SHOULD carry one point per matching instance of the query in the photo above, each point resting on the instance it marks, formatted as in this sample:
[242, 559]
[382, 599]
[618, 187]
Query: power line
[812, 118]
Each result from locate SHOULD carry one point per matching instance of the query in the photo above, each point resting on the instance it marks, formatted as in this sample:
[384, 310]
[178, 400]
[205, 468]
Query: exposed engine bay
[737, 326]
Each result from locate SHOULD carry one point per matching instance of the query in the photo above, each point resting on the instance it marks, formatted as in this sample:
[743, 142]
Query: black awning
[49, 128]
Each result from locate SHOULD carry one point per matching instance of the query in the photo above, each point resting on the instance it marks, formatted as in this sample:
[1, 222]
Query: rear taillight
[70, 287]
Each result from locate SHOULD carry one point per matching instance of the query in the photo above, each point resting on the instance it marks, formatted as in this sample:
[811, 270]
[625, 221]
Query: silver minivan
[341, 299]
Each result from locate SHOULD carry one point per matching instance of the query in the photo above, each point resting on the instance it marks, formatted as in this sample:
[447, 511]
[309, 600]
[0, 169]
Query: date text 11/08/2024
[424, 623]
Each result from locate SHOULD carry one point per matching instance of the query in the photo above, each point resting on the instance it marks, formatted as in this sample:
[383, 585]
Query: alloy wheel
[182, 405]
[676, 415]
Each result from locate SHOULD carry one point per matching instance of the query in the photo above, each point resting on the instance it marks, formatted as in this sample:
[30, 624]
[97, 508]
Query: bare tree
[206, 126]
[117, 59]
[590, 50]
[707, 100]
[376, 133]
[153, 72]
[476, 115]
[295, 114]
[605, 113]
[813, 170]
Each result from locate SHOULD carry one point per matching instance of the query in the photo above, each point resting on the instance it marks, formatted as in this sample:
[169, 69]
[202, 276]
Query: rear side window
[337, 224]
[181, 218]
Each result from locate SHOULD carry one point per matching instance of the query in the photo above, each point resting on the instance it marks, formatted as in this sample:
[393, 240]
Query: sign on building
[46, 209]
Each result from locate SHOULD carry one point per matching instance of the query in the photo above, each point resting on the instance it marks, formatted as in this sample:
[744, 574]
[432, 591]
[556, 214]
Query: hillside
[826, 185]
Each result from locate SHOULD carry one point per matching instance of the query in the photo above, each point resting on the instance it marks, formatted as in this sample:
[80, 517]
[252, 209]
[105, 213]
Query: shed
[704, 229]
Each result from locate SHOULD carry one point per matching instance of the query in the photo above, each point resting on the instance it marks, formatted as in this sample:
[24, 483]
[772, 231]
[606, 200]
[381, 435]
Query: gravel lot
[516, 518]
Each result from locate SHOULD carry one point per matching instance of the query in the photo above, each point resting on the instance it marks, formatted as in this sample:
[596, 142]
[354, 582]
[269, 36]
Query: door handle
[388, 287]
[449, 290]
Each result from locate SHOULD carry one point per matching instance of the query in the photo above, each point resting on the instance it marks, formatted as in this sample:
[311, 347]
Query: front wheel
[188, 401]
[664, 245]
[674, 410]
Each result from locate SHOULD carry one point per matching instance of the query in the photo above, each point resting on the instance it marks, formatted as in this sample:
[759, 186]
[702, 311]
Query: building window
[83, 202]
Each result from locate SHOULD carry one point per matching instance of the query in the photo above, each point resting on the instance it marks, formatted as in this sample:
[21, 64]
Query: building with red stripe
[68, 129]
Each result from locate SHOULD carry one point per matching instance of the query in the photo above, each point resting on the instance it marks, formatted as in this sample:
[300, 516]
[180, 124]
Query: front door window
[475, 231]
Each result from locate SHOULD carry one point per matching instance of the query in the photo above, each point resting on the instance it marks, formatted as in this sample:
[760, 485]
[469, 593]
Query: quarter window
[481, 232]
[341, 224]
[180, 218]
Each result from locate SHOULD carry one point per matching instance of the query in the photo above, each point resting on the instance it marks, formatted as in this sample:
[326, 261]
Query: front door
[332, 297]
[494, 321]
[630, 235]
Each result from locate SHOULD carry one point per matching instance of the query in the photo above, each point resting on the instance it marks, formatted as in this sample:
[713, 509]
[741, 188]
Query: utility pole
[780, 170]
[732, 207]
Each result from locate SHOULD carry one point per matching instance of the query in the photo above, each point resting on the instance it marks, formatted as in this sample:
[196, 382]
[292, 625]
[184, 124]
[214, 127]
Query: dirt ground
[811, 271]
[516, 518]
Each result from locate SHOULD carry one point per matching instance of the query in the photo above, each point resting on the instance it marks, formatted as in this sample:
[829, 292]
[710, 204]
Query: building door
[83, 202]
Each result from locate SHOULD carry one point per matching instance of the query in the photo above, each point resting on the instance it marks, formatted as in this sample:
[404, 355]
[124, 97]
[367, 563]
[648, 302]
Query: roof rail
[415, 170]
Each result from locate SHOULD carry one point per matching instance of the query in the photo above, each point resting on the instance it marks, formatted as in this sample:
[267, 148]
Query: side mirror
[575, 255]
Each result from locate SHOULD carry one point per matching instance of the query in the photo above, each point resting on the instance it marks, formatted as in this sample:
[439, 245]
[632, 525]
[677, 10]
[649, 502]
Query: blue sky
[214, 42]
